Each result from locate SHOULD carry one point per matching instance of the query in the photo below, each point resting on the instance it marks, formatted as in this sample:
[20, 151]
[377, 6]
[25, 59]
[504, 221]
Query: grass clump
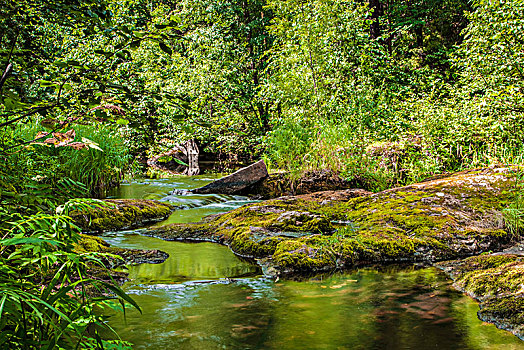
[99, 165]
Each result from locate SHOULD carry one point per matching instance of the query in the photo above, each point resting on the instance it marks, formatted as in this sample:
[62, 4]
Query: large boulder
[120, 214]
[442, 218]
[237, 181]
[283, 184]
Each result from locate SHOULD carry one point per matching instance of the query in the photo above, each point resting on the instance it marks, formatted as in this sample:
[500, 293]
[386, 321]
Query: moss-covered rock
[119, 214]
[497, 281]
[442, 218]
[283, 184]
[122, 256]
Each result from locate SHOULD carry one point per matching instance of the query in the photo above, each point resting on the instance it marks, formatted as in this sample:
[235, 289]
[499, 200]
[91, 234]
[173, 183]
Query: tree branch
[7, 72]
[34, 111]
[9, 68]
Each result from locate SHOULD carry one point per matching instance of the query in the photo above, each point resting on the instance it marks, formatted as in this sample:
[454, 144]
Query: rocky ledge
[122, 256]
[121, 214]
[283, 184]
[497, 282]
[447, 217]
[116, 257]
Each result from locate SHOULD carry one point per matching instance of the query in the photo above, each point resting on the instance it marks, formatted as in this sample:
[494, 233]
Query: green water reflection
[365, 309]
[185, 262]
[159, 188]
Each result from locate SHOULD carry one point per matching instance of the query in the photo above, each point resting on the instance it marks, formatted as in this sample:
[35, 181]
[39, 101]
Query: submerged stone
[120, 214]
[442, 218]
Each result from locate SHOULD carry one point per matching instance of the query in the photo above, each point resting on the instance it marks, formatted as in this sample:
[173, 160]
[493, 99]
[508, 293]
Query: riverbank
[497, 282]
[443, 218]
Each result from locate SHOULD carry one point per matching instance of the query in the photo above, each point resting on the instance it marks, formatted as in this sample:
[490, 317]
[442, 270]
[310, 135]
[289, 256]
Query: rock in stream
[447, 217]
[121, 214]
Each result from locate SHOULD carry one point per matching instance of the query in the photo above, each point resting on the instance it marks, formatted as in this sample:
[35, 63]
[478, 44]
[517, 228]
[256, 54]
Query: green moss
[120, 214]
[483, 262]
[243, 244]
[390, 249]
[90, 244]
[490, 275]
[509, 310]
[497, 281]
[298, 255]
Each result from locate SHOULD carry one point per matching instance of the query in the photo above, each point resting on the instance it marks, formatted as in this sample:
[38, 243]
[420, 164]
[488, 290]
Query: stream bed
[205, 297]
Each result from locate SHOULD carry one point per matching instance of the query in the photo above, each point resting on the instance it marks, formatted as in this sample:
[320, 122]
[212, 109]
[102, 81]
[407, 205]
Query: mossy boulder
[442, 218]
[283, 184]
[120, 214]
[497, 281]
[123, 256]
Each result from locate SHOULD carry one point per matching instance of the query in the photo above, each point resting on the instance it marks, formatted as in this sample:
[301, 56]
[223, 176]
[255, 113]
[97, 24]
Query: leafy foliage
[46, 293]
[393, 92]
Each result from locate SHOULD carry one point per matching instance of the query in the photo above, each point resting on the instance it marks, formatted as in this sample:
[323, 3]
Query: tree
[61, 61]
[219, 68]
[491, 57]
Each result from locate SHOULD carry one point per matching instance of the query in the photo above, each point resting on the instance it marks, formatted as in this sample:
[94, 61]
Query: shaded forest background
[383, 91]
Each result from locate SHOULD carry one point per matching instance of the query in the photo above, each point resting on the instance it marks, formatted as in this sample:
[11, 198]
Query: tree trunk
[377, 10]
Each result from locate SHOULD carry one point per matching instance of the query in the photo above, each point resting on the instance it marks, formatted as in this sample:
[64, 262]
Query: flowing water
[205, 297]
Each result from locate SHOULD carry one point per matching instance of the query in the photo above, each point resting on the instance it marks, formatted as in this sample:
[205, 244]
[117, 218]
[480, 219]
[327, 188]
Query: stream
[205, 297]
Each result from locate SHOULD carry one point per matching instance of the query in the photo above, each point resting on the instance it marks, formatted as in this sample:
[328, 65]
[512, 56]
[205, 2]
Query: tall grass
[514, 213]
[97, 169]
[51, 294]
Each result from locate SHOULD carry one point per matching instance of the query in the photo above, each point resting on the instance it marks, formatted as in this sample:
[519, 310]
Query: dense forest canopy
[312, 84]
[383, 92]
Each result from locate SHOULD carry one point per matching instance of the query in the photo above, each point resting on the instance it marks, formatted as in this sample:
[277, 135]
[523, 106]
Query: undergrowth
[98, 167]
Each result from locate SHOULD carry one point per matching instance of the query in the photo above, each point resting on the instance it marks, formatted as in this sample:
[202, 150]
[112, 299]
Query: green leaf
[180, 162]
[74, 63]
[47, 83]
[60, 64]
[119, 292]
[26, 240]
[91, 144]
[139, 34]
[165, 48]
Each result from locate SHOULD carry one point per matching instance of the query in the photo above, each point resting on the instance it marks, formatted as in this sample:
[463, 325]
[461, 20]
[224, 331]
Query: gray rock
[237, 181]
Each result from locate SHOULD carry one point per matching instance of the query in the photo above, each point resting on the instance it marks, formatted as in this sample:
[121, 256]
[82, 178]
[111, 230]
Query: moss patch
[122, 256]
[497, 281]
[118, 214]
[443, 218]
[284, 184]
